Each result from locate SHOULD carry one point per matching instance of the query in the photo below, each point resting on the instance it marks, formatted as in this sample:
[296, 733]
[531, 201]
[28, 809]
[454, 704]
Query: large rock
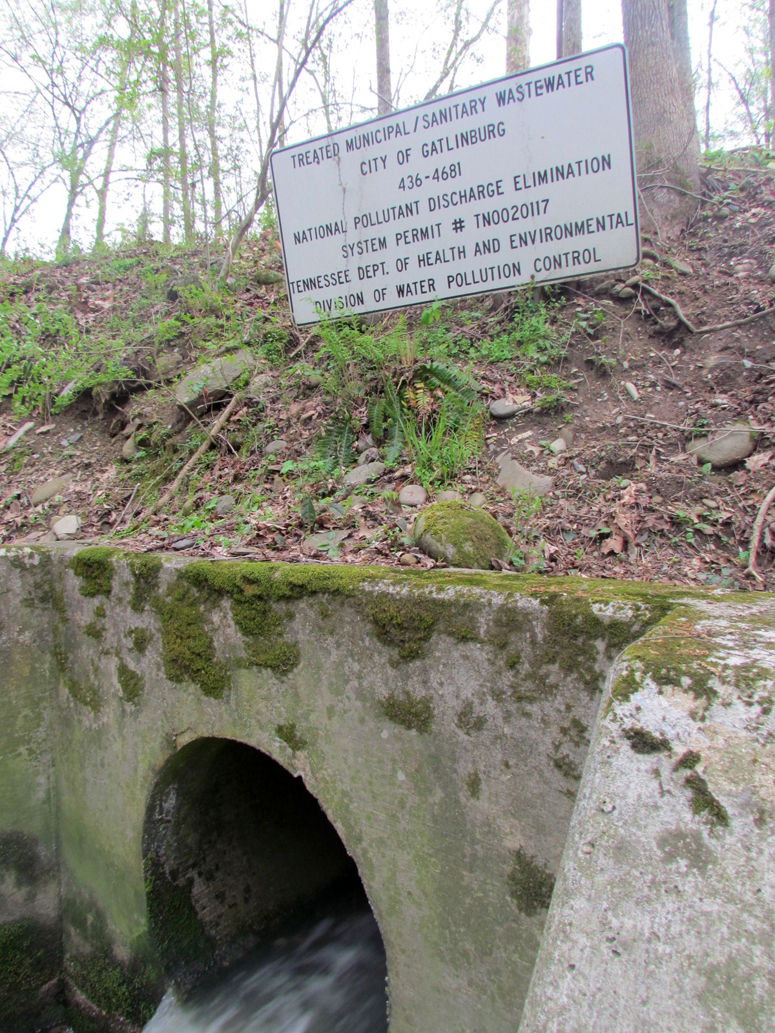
[363, 474]
[726, 446]
[47, 491]
[462, 535]
[516, 478]
[211, 382]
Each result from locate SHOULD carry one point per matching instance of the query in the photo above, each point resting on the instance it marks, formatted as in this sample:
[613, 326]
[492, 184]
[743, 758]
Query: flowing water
[330, 978]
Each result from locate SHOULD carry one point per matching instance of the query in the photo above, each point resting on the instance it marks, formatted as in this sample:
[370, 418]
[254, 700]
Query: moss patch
[132, 683]
[400, 624]
[290, 736]
[567, 766]
[141, 638]
[412, 712]
[688, 760]
[94, 568]
[30, 957]
[473, 781]
[643, 741]
[468, 720]
[530, 884]
[704, 802]
[461, 534]
[146, 574]
[188, 650]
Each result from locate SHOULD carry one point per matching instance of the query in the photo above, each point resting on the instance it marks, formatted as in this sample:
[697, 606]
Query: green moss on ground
[412, 712]
[643, 741]
[94, 568]
[461, 534]
[146, 576]
[132, 683]
[30, 957]
[530, 884]
[291, 737]
[704, 802]
[141, 638]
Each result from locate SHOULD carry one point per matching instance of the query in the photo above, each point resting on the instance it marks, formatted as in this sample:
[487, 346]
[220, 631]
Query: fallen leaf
[758, 461]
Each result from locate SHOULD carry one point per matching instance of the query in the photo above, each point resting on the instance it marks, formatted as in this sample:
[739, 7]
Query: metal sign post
[530, 178]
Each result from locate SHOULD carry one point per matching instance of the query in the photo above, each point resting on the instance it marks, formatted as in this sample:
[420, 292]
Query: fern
[335, 446]
[448, 379]
[375, 410]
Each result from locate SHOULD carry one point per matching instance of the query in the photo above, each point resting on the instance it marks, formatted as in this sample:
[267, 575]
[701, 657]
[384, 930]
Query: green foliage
[335, 446]
[42, 353]
[442, 444]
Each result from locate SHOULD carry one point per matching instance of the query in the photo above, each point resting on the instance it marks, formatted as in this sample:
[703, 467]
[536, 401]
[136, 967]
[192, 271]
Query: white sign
[525, 179]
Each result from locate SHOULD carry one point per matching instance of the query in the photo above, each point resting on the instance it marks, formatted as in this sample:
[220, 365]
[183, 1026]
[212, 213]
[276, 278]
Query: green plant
[442, 444]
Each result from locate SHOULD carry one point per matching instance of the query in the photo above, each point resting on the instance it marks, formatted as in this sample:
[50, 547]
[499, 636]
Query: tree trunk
[102, 192]
[517, 36]
[382, 34]
[215, 163]
[185, 189]
[771, 112]
[679, 33]
[709, 79]
[666, 142]
[568, 28]
[164, 88]
[65, 234]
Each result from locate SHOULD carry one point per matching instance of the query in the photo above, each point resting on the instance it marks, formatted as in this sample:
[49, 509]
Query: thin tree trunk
[65, 234]
[185, 190]
[102, 192]
[215, 162]
[709, 79]
[382, 35]
[771, 112]
[666, 142]
[679, 33]
[569, 40]
[164, 87]
[517, 36]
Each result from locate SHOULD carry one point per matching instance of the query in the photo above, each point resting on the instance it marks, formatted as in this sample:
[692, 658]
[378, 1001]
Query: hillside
[602, 387]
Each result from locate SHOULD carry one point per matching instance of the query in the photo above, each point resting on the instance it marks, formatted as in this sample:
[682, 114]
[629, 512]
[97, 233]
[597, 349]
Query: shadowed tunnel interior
[237, 853]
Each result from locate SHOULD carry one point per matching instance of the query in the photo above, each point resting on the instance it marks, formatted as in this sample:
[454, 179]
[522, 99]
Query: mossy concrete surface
[441, 720]
[663, 915]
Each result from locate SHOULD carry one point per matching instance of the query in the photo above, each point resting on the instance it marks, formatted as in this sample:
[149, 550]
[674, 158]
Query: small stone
[649, 252]
[515, 477]
[726, 446]
[261, 384]
[73, 438]
[66, 526]
[363, 474]
[462, 535]
[633, 281]
[323, 540]
[413, 495]
[47, 491]
[648, 263]
[406, 559]
[579, 467]
[278, 445]
[771, 273]
[46, 428]
[625, 293]
[129, 449]
[605, 287]
[371, 455]
[477, 499]
[632, 390]
[19, 434]
[314, 380]
[558, 445]
[225, 505]
[567, 434]
[449, 496]
[616, 290]
[184, 543]
[503, 408]
[364, 442]
[187, 508]
[680, 267]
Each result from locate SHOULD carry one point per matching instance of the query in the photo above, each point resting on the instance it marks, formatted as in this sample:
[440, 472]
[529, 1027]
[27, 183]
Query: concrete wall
[442, 721]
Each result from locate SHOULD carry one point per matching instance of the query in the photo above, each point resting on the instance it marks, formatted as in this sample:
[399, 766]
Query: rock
[771, 273]
[406, 559]
[365, 442]
[633, 281]
[371, 455]
[173, 291]
[129, 448]
[625, 293]
[46, 428]
[184, 543]
[632, 390]
[279, 445]
[413, 495]
[567, 435]
[187, 508]
[616, 290]
[314, 380]
[502, 409]
[477, 499]
[323, 540]
[209, 383]
[517, 478]
[449, 496]
[605, 287]
[261, 384]
[363, 474]
[558, 445]
[166, 364]
[66, 526]
[225, 505]
[461, 534]
[579, 467]
[726, 446]
[47, 491]
[649, 252]
[14, 438]
[267, 277]
[680, 267]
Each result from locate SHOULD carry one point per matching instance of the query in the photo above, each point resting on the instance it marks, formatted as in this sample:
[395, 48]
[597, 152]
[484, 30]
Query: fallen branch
[211, 436]
[706, 329]
[756, 535]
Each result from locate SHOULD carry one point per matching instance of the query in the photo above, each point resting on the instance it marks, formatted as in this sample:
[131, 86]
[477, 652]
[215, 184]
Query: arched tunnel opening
[244, 870]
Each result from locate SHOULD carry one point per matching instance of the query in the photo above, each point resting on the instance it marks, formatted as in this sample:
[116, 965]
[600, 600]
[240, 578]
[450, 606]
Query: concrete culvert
[239, 855]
